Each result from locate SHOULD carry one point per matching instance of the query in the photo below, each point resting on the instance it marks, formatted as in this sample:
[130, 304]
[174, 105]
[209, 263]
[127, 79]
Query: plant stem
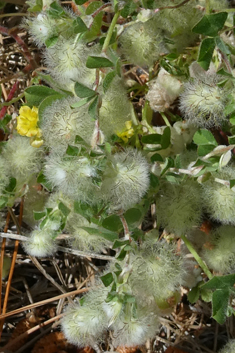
[165, 119]
[110, 31]
[196, 256]
[207, 7]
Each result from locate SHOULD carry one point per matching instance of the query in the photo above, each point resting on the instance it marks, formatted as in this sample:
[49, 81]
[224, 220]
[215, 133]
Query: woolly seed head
[156, 270]
[60, 124]
[116, 109]
[41, 28]
[126, 179]
[41, 243]
[219, 199]
[179, 206]
[163, 91]
[141, 44]
[133, 330]
[203, 103]
[4, 173]
[23, 159]
[229, 347]
[220, 253]
[66, 62]
[71, 175]
[84, 325]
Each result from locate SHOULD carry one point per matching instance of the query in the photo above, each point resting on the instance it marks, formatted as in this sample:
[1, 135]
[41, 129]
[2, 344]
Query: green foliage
[128, 122]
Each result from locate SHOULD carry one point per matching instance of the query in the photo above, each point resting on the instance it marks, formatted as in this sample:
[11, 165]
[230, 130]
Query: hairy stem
[197, 257]
[110, 31]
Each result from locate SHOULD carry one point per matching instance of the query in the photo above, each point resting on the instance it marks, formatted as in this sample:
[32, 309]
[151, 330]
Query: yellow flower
[27, 125]
[128, 133]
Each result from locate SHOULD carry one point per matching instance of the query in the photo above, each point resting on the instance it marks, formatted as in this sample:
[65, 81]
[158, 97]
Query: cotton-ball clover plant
[126, 179]
[229, 347]
[111, 130]
[179, 206]
[204, 102]
[218, 252]
[218, 196]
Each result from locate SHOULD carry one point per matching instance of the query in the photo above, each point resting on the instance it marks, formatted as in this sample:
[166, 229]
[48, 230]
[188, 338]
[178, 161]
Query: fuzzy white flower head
[219, 254]
[152, 273]
[41, 28]
[23, 159]
[41, 243]
[203, 101]
[129, 330]
[71, 175]
[142, 44]
[229, 347]
[66, 61]
[179, 206]
[219, 199]
[84, 325]
[116, 109]
[163, 91]
[126, 179]
[60, 124]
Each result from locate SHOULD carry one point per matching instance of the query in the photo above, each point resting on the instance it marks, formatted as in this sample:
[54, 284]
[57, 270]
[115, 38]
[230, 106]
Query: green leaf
[204, 149]
[64, 209]
[3, 123]
[152, 139]
[169, 163]
[220, 282]
[3, 202]
[34, 95]
[108, 79]
[55, 10]
[204, 137]
[72, 150]
[206, 52]
[107, 279]
[47, 102]
[79, 140]
[83, 91]
[81, 102]
[41, 179]
[166, 138]
[112, 223]
[222, 46]
[79, 26]
[11, 186]
[128, 9]
[119, 243]
[156, 158]
[220, 300]
[133, 216]
[232, 119]
[51, 41]
[102, 232]
[232, 183]
[154, 181]
[95, 62]
[39, 215]
[211, 24]
[80, 2]
[206, 295]
[93, 6]
[93, 108]
[194, 294]
[94, 31]
[121, 255]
